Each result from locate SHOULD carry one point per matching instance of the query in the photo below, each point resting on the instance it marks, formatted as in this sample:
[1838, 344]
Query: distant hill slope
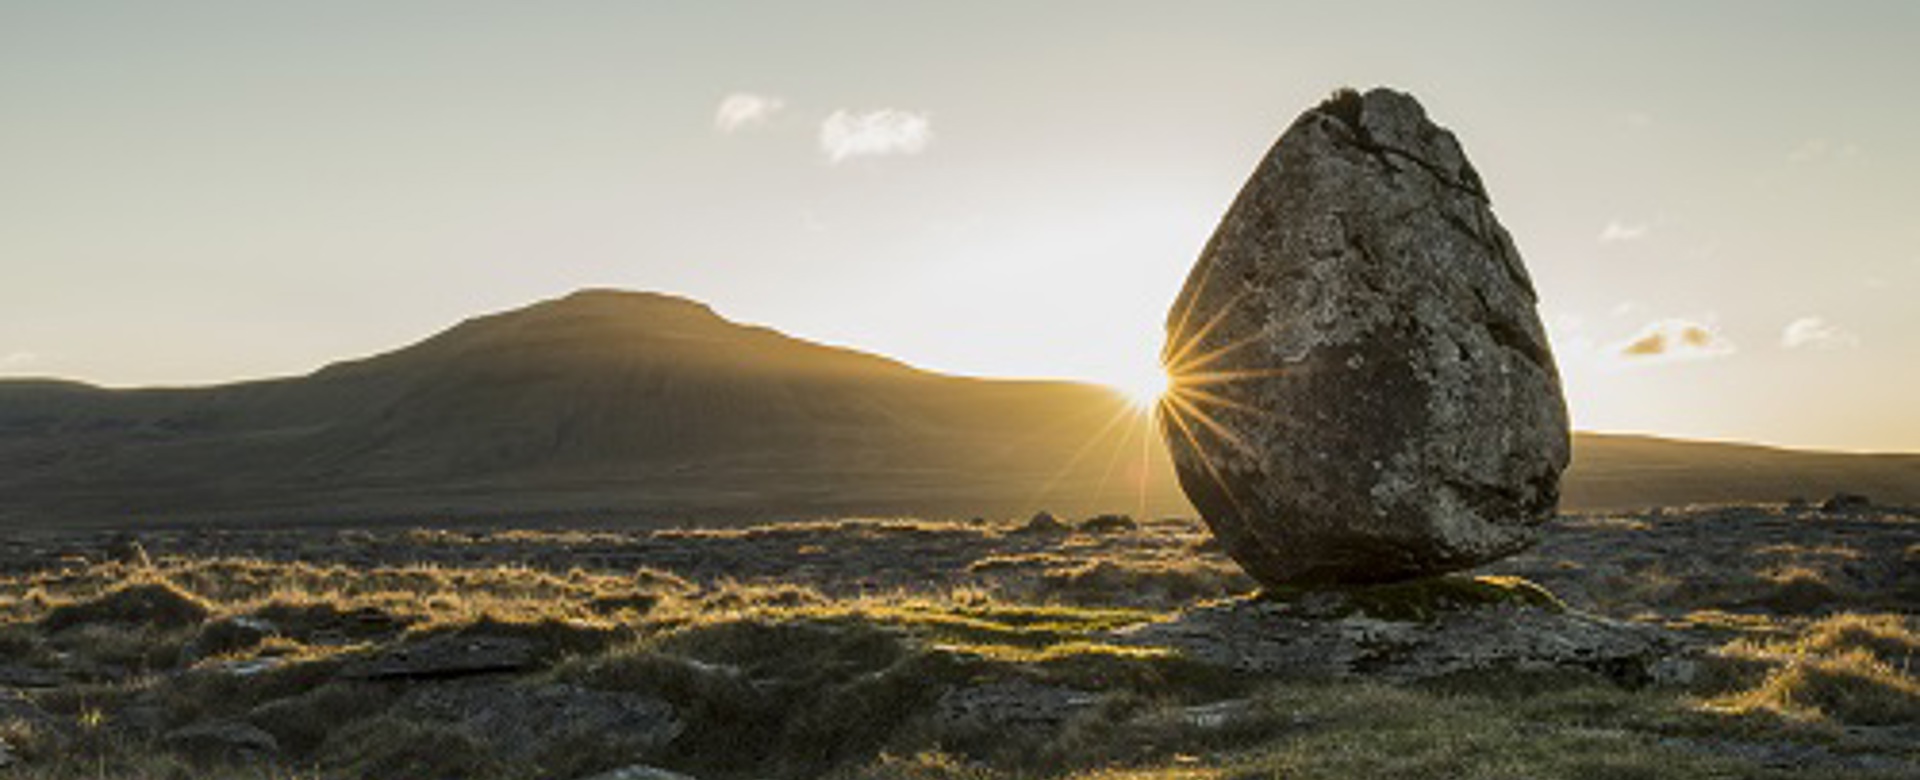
[619, 404]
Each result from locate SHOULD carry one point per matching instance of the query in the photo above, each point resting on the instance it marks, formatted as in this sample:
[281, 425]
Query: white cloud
[875, 133]
[1816, 333]
[1673, 340]
[741, 109]
[1622, 231]
[13, 360]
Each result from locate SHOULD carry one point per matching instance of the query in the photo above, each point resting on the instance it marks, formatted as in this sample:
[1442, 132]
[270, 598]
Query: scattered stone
[17, 707]
[1108, 524]
[1217, 715]
[1043, 523]
[17, 676]
[445, 656]
[227, 635]
[223, 741]
[126, 549]
[523, 721]
[1362, 390]
[1265, 637]
[1011, 703]
[639, 772]
[1846, 502]
[249, 667]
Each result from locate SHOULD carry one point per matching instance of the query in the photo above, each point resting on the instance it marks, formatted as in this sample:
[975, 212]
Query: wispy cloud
[743, 109]
[1674, 340]
[1617, 231]
[887, 131]
[1816, 333]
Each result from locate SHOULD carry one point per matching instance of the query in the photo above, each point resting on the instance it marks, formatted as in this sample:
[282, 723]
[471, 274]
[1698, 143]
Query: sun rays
[1200, 401]
[1194, 399]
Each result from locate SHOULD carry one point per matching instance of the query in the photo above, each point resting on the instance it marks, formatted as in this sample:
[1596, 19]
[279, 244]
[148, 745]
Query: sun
[1143, 385]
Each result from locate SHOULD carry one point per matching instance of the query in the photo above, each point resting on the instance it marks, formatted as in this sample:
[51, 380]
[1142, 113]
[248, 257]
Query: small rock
[1218, 715]
[445, 656]
[17, 676]
[1108, 524]
[1042, 523]
[217, 741]
[1012, 703]
[1846, 502]
[16, 707]
[639, 772]
[126, 549]
[225, 636]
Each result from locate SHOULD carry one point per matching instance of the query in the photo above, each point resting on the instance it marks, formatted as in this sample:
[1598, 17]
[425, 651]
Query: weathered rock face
[1362, 391]
[1307, 640]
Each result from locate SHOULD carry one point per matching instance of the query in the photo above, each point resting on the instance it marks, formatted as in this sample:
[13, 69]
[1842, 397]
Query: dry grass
[781, 680]
[1848, 669]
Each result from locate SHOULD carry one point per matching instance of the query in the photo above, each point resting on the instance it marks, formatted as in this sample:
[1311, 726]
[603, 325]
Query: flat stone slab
[1286, 639]
[446, 656]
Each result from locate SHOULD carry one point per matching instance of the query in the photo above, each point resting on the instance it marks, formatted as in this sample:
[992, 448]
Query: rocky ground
[1712, 642]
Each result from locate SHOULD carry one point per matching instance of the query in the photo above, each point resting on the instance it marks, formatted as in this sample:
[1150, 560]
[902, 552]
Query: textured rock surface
[1303, 640]
[445, 656]
[1362, 391]
[525, 722]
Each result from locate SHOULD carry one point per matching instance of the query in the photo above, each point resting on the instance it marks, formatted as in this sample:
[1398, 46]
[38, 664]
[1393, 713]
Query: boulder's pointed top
[1391, 125]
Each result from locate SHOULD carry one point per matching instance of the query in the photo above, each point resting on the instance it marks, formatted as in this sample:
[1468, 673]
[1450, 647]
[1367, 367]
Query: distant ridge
[609, 405]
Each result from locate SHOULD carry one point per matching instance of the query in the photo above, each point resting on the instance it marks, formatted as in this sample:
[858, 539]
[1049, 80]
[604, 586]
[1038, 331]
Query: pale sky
[1717, 200]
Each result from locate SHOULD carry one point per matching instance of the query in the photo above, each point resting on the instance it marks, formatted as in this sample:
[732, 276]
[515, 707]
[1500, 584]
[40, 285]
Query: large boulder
[1361, 389]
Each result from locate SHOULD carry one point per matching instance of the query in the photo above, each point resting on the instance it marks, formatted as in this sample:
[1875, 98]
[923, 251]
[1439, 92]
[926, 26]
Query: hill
[608, 404]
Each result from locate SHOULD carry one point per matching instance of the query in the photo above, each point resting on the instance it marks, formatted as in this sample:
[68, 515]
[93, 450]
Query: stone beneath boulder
[1361, 389]
[445, 656]
[1329, 634]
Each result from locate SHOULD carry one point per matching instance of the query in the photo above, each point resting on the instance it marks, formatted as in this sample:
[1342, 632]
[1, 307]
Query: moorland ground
[903, 648]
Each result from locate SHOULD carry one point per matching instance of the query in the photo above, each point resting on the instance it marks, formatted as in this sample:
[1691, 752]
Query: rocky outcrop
[1361, 389]
[1410, 637]
[521, 722]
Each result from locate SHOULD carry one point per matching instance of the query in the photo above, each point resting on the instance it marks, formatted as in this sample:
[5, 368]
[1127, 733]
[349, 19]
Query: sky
[1716, 199]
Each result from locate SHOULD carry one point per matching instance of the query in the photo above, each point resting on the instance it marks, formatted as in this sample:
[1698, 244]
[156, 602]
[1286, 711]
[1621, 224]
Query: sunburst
[1198, 395]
